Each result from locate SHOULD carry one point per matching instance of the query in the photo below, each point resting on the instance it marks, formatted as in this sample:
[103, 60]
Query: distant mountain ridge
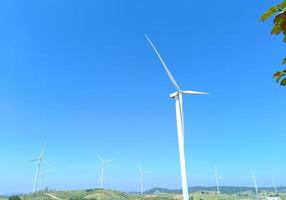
[11, 194]
[223, 189]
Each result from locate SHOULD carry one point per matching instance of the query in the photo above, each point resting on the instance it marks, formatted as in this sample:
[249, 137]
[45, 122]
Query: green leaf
[283, 26]
[269, 12]
[283, 4]
[278, 75]
[284, 39]
[276, 29]
[279, 26]
[278, 19]
[283, 82]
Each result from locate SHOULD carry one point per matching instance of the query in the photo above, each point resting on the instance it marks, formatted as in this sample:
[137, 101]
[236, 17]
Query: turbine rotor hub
[174, 94]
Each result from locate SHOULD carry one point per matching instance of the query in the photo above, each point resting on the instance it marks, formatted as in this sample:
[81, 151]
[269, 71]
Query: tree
[14, 198]
[278, 27]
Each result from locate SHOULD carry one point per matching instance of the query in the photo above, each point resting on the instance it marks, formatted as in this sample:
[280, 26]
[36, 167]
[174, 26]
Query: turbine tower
[217, 177]
[39, 159]
[142, 173]
[274, 185]
[178, 96]
[255, 184]
[103, 163]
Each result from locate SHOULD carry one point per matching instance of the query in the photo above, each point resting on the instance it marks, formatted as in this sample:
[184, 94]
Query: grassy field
[98, 194]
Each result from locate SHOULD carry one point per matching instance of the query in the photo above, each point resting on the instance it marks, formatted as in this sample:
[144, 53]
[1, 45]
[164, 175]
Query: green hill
[213, 189]
[91, 194]
[196, 193]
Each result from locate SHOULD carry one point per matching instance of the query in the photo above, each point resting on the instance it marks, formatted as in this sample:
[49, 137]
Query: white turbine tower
[274, 185]
[178, 95]
[142, 173]
[217, 177]
[40, 159]
[103, 163]
[255, 184]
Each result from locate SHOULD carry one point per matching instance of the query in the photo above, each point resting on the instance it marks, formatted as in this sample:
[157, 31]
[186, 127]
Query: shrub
[76, 198]
[14, 198]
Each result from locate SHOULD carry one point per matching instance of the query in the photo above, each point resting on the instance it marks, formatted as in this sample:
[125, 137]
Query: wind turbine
[39, 159]
[142, 173]
[103, 163]
[274, 185]
[43, 174]
[255, 184]
[178, 96]
[217, 177]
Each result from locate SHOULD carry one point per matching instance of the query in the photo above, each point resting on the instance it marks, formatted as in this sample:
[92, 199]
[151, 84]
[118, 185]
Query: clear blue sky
[81, 77]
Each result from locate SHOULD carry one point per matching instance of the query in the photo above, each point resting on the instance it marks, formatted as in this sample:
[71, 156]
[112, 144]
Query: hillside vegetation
[198, 193]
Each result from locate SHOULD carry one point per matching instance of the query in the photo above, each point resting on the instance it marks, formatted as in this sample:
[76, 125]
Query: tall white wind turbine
[103, 163]
[274, 185]
[39, 159]
[217, 177]
[178, 96]
[142, 173]
[255, 184]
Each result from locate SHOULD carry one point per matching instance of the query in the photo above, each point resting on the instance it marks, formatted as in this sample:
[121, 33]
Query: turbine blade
[193, 92]
[215, 172]
[35, 159]
[43, 150]
[99, 157]
[46, 162]
[108, 161]
[140, 168]
[49, 170]
[164, 65]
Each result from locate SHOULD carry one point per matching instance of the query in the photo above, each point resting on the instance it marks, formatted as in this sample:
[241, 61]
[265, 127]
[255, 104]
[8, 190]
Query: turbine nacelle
[103, 162]
[142, 172]
[107, 161]
[173, 95]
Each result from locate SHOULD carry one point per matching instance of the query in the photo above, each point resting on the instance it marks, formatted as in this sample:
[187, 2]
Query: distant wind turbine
[274, 185]
[178, 96]
[39, 159]
[217, 177]
[103, 163]
[142, 173]
[255, 184]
